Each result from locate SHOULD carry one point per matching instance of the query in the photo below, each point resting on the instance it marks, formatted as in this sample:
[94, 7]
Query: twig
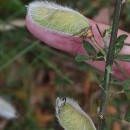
[102, 51]
[109, 63]
[122, 70]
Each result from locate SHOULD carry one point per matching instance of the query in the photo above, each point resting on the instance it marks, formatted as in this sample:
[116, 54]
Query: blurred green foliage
[32, 74]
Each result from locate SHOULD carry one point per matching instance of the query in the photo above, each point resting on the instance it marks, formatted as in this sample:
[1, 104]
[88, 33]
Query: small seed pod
[57, 18]
[71, 116]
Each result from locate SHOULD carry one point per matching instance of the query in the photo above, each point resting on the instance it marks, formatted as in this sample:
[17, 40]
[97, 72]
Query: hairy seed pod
[71, 116]
[57, 18]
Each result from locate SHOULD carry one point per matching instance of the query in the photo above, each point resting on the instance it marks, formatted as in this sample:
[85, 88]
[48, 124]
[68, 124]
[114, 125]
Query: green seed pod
[71, 116]
[57, 18]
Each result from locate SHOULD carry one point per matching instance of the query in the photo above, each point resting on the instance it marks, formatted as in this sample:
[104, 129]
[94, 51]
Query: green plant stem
[95, 43]
[109, 63]
[119, 92]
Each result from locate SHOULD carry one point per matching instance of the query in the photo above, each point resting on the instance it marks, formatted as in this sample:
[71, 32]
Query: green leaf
[126, 85]
[126, 88]
[99, 56]
[89, 48]
[83, 58]
[99, 30]
[107, 32]
[85, 67]
[123, 58]
[120, 43]
[118, 82]
[127, 116]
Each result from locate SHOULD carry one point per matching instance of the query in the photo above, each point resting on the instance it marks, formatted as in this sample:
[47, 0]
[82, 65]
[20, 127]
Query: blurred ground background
[33, 74]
